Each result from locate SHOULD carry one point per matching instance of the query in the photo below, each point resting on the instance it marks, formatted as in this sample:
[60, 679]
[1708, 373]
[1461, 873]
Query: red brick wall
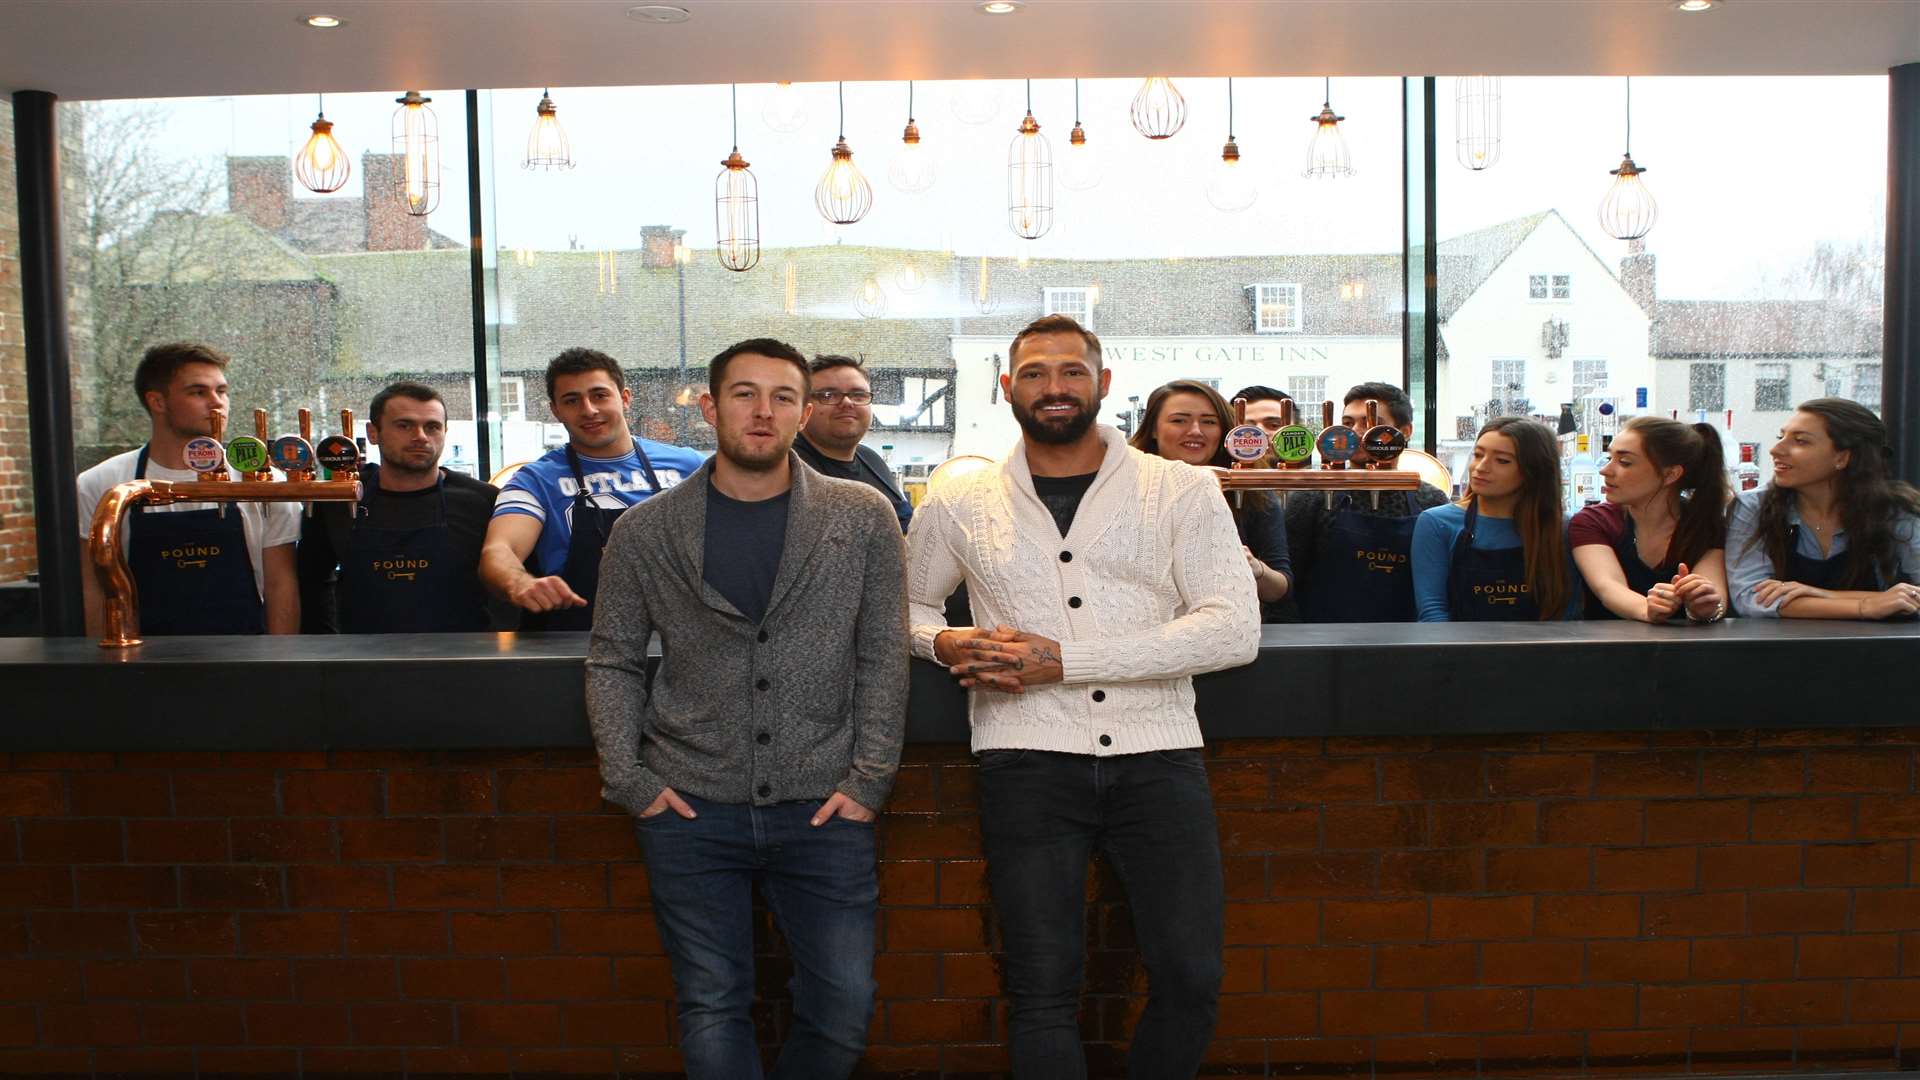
[1602, 903]
[19, 551]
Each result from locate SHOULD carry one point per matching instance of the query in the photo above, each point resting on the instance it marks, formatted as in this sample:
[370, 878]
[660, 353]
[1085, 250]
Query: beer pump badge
[1293, 444]
[1338, 442]
[247, 454]
[1247, 442]
[1385, 442]
[339, 454]
[292, 454]
[204, 454]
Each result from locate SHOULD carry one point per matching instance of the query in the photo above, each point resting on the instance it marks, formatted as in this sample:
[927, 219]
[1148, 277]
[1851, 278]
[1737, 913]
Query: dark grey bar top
[460, 691]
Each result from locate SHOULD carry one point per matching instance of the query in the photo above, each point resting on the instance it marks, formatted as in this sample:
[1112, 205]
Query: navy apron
[1830, 573]
[591, 527]
[1639, 578]
[1362, 571]
[404, 581]
[191, 570]
[1489, 585]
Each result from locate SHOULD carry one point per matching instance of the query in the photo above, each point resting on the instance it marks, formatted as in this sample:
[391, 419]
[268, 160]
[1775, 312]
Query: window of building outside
[1666, 323]
[1076, 304]
[1509, 389]
[1772, 387]
[188, 224]
[1308, 391]
[1866, 385]
[1276, 308]
[1706, 387]
[930, 286]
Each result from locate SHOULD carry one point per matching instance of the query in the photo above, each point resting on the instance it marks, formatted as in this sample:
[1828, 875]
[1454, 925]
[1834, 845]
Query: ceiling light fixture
[1001, 7]
[1691, 6]
[1628, 211]
[1327, 156]
[785, 112]
[1230, 188]
[416, 141]
[323, 22]
[1159, 112]
[1081, 169]
[912, 169]
[843, 196]
[661, 14]
[322, 166]
[1030, 178]
[1476, 121]
[736, 206]
[547, 145]
[870, 300]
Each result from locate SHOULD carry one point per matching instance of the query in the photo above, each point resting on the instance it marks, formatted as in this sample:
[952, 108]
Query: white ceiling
[163, 48]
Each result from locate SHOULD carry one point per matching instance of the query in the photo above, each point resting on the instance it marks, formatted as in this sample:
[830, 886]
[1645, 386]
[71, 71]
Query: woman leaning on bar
[1500, 553]
[1655, 549]
[1835, 536]
[1188, 421]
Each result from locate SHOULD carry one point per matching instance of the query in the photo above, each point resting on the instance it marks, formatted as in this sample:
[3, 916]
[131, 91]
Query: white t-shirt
[266, 524]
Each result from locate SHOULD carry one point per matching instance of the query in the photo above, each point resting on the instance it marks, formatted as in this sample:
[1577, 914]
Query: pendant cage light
[843, 195]
[1476, 121]
[870, 300]
[736, 205]
[984, 300]
[1230, 185]
[416, 143]
[547, 145]
[1080, 168]
[1159, 112]
[912, 168]
[1628, 212]
[977, 101]
[322, 166]
[1029, 178]
[790, 289]
[1327, 156]
[908, 277]
[785, 111]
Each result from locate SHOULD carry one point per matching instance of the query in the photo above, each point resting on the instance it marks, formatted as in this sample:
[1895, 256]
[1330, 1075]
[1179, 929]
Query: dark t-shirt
[1262, 525]
[1062, 495]
[323, 536]
[867, 466]
[743, 546]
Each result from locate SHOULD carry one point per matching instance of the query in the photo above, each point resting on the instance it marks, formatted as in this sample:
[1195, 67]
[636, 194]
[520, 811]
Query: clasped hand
[1002, 659]
[1694, 592]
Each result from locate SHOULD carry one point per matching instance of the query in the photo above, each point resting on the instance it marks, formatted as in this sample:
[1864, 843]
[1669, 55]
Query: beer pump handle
[1239, 411]
[260, 425]
[306, 425]
[219, 419]
[346, 423]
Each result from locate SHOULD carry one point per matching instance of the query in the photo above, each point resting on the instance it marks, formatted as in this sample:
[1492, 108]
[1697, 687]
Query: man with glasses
[842, 400]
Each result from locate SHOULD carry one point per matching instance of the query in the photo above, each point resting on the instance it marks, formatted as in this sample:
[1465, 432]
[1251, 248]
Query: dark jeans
[821, 885]
[1043, 815]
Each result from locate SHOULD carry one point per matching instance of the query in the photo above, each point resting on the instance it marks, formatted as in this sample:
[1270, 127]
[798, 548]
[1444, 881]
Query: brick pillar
[656, 245]
[389, 226]
[258, 189]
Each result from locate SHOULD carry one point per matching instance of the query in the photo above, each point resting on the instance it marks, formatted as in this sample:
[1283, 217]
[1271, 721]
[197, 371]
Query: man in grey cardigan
[771, 733]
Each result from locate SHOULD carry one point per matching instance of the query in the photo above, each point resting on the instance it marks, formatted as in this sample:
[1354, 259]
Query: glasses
[833, 397]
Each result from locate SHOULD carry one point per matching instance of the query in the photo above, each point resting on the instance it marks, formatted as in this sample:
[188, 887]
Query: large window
[1731, 288]
[1276, 308]
[1076, 304]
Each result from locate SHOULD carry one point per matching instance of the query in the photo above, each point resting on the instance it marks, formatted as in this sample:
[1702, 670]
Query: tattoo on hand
[1046, 655]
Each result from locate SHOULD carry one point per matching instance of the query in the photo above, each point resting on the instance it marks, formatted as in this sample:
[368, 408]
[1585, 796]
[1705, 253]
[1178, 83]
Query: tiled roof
[1759, 328]
[188, 249]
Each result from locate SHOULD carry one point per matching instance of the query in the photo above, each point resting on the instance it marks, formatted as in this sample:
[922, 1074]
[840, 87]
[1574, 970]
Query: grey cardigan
[811, 701]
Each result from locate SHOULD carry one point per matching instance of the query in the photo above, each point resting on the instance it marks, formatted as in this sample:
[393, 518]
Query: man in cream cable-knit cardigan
[1103, 579]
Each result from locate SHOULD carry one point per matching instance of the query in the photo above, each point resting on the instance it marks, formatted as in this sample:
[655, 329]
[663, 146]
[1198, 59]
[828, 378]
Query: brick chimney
[1637, 275]
[656, 245]
[389, 226]
[258, 189]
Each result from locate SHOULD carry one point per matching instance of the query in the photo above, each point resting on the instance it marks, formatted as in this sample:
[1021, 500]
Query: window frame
[1784, 376]
[1050, 304]
[1297, 308]
[1693, 405]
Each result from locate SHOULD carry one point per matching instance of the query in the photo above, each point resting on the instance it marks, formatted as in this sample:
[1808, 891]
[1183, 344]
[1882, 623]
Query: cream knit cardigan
[1163, 593]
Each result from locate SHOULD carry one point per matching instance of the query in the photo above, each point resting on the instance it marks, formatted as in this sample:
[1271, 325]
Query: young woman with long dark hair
[1656, 548]
[1188, 421]
[1500, 553]
[1835, 536]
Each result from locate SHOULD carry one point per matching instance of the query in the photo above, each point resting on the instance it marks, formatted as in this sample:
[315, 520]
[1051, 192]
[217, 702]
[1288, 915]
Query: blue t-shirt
[544, 490]
[1434, 534]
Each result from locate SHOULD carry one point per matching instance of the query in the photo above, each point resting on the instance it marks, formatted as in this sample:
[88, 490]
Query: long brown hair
[1868, 495]
[1147, 442]
[1536, 512]
[1695, 448]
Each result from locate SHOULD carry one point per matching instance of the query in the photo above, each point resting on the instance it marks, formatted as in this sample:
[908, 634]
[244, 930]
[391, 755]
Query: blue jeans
[821, 885]
[1042, 816]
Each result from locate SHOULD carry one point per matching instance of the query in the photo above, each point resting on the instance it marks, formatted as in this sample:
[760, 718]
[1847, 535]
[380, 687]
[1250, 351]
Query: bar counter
[469, 691]
[1576, 849]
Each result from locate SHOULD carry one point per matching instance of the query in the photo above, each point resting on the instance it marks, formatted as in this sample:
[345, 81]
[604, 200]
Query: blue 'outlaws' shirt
[543, 489]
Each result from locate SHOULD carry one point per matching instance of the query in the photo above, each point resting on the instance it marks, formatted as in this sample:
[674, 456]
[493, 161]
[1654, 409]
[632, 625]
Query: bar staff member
[406, 558]
[200, 568]
[1187, 421]
[1500, 554]
[1648, 553]
[1353, 560]
[1263, 411]
[553, 518]
[1835, 536]
[842, 398]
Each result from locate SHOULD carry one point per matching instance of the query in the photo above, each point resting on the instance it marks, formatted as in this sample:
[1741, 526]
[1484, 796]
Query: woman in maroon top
[1656, 548]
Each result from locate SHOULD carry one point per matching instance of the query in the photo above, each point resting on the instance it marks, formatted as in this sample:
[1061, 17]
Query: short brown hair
[1054, 324]
[580, 361]
[162, 362]
[760, 346]
[405, 388]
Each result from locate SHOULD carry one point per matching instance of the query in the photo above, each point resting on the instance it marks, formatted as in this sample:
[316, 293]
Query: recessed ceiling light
[659, 13]
[1695, 5]
[323, 22]
[1001, 7]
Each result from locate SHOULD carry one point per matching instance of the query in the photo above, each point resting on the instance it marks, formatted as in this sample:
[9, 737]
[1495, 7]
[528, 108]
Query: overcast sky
[1749, 173]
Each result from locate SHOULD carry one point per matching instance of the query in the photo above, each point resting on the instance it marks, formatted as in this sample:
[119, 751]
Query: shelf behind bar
[458, 691]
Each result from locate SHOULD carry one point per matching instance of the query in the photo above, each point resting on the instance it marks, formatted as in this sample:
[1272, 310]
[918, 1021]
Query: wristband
[1718, 614]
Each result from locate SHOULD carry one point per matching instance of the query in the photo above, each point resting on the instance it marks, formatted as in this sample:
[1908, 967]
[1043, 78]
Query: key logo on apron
[401, 569]
[192, 556]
